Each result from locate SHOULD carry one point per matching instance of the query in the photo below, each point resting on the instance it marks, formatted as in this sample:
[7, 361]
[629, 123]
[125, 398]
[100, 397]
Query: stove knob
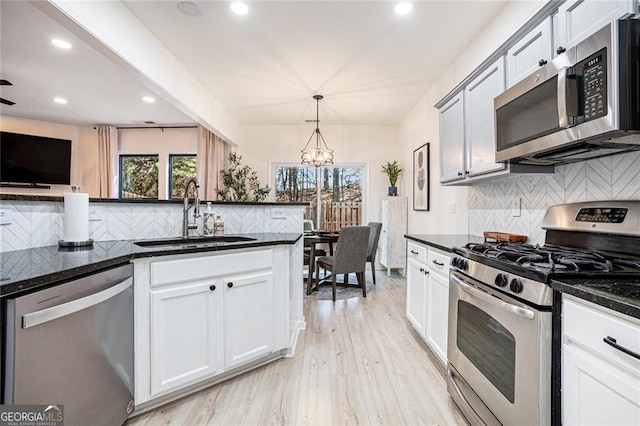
[464, 265]
[454, 262]
[515, 285]
[501, 280]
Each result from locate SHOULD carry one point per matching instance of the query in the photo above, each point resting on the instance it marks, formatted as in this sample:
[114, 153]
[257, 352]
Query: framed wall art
[421, 178]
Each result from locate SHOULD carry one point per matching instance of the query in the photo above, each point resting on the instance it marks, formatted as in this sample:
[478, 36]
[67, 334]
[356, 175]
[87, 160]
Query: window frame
[170, 172]
[273, 165]
[120, 180]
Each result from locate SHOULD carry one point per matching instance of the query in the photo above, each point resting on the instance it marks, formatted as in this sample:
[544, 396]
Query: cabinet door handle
[560, 50]
[229, 284]
[212, 287]
[438, 263]
[421, 269]
[426, 272]
[414, 252]
[613, 342]
[459, 173]
[542, 62]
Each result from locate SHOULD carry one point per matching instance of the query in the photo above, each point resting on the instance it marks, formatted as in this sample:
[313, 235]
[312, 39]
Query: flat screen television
[34, 159]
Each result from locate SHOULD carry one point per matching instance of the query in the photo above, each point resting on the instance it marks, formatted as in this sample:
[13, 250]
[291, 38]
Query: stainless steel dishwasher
[72, 344]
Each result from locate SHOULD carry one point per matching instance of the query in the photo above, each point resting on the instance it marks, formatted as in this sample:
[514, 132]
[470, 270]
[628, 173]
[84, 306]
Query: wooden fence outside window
[335, 215]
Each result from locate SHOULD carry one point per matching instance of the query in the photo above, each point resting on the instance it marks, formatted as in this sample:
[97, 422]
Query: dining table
[313, 239]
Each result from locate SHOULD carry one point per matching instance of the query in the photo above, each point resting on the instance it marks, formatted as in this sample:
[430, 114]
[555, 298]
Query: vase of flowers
[393, 171]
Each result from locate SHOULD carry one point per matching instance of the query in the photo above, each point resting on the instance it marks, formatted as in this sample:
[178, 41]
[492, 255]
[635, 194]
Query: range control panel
[595, 85]
[602, 215]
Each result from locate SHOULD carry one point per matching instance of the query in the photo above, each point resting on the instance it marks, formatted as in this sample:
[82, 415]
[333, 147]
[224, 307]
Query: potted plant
[393, 171]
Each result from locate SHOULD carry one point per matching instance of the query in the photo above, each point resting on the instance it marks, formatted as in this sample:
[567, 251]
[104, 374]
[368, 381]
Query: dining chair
[374, 236]
[349, 256]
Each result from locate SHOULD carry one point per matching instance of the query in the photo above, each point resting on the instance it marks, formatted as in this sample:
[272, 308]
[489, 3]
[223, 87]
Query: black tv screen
[34, 159]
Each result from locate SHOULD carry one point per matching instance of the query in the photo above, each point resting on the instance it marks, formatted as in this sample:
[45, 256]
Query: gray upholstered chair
[374, 236]
[349, 256]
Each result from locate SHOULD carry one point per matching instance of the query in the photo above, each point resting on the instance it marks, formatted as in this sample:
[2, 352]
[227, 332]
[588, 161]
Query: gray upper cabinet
[479, 120]
[467, 135]
[530, 53]
[452, 139]
[577, 19]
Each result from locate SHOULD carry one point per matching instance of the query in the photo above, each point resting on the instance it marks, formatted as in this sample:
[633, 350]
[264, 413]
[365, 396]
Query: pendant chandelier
[320, 155]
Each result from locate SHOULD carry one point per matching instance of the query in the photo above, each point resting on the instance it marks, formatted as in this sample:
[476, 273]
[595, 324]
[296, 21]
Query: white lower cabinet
[600, 384]
[417, 282]
[184, 316]
[199, 316]
[428, 295]
[437, 314]
[248, 326]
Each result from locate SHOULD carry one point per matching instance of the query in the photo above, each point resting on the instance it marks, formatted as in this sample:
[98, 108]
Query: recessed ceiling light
[239, 8]
[60, 101]
[148, 99]
[61, 43]
[189, 8]
[403, 8]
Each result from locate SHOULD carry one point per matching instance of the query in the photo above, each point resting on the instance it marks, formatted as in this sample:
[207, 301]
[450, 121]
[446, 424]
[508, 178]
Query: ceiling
[97, 90]
[371, 65]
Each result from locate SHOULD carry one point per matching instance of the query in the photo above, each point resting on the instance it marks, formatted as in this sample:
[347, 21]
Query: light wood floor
[358, 362]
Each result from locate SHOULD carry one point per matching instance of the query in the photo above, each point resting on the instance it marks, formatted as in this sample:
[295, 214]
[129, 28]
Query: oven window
[489, 346]
[529, 116]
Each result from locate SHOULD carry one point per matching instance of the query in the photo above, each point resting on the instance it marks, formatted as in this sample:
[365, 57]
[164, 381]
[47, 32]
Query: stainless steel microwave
[584, 104]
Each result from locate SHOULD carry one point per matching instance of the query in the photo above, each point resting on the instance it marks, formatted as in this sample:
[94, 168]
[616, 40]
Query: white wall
[162, 142]
[82, 138]
[421, 125]
[263, 145]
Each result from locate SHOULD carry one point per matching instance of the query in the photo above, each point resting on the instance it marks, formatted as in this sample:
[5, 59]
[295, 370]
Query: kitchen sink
[191, 241]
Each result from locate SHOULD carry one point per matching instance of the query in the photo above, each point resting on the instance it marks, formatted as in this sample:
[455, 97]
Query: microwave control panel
[595, 85]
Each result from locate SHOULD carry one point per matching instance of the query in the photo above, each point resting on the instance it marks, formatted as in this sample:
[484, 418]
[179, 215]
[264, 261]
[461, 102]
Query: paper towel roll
[76, 217]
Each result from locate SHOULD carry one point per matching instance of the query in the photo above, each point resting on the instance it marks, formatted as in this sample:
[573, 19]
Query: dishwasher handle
[55, 312]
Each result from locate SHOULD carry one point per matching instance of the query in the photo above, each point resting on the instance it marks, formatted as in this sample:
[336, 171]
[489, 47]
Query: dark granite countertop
[19, 197]
[445, 242]
[28, 269]
[619, 294]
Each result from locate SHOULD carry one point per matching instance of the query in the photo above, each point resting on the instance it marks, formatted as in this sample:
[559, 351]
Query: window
[341, 193]
[138, 176]
[182, 167]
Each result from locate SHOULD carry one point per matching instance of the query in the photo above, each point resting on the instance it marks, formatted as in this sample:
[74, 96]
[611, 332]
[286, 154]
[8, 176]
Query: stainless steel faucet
[186, 226]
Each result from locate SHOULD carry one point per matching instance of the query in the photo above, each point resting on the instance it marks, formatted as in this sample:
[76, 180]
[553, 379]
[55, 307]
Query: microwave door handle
[514, 309]
[563, 117]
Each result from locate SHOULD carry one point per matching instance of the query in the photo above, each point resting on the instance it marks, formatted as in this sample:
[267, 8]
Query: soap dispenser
[207, 220]
[218, 225]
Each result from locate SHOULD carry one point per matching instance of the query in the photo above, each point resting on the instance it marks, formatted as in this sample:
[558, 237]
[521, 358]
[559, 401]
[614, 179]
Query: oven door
[499, 354]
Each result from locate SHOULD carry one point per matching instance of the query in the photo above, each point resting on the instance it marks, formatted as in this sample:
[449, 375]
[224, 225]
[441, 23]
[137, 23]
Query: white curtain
[108, 161]
[211, 160]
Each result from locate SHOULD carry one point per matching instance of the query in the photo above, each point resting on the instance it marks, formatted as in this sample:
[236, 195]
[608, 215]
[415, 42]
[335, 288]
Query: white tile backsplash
[608, 178]
[38, 224]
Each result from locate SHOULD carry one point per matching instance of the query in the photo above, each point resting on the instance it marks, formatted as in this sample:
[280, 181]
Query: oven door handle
[509, 307]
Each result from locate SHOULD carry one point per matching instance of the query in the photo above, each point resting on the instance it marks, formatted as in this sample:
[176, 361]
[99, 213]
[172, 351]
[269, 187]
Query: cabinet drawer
[190, 269]
[588, 324]
[439, 262]
[417, 251]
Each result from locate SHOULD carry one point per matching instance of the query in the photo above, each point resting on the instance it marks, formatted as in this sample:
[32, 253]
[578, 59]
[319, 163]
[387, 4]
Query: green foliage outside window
[183, 168]
[139, 176]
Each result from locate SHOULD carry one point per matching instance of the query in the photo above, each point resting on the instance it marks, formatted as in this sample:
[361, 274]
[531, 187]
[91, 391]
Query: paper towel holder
[63, 243]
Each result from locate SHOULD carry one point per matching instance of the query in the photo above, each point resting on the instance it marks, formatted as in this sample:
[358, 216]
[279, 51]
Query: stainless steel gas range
[501, 307]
